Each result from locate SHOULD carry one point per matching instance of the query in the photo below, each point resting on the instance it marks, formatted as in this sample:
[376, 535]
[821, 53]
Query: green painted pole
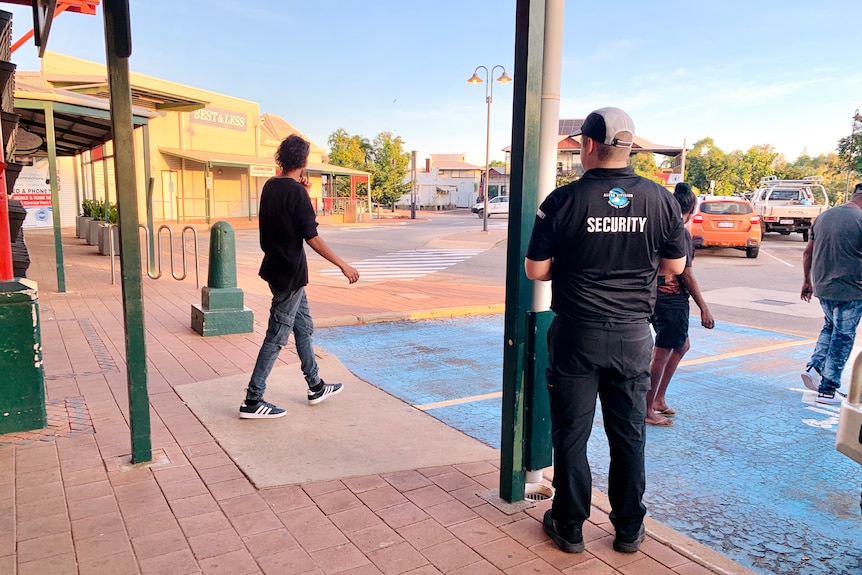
[118, 45]
[55, 196]
[526, 114]
[150, 183]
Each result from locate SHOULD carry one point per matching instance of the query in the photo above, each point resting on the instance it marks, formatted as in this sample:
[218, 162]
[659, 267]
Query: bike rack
[154, 261]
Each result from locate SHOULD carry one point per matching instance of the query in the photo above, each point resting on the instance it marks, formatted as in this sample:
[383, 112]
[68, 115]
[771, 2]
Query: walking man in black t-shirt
[601, 240]
[286, 220]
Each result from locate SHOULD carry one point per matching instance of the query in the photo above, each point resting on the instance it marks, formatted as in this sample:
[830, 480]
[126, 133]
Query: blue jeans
[835, 341]
[289, 313]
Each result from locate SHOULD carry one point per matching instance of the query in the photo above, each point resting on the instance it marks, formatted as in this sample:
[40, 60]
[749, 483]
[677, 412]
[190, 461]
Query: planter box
[93, 232]
[82, 226]
[106, 233]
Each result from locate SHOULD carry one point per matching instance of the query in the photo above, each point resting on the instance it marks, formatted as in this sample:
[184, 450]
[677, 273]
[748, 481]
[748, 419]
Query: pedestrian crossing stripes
[406, 264]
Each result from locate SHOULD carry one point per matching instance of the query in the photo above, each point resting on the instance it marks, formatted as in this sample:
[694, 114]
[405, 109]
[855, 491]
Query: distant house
[446, 181]
[569, 149]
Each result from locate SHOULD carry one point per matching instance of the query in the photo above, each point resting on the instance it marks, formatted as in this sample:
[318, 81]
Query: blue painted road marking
[749, 468]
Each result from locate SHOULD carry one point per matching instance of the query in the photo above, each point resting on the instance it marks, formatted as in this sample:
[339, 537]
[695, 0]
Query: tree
[707, 163]
[850, 151]
[644, 165]
[389, 169]
[348, 151]
[755, 164]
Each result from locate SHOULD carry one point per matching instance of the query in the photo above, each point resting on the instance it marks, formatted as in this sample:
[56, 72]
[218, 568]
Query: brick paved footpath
[70, 503]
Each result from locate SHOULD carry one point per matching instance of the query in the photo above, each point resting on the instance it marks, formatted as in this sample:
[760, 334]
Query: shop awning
[81, 122]
[242, 161]
[144, 97]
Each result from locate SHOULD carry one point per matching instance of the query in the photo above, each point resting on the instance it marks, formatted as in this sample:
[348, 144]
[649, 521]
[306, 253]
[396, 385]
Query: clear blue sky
[784, 73]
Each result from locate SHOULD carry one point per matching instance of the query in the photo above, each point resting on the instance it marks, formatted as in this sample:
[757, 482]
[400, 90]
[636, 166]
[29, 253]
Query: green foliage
[850, 151]
[497, 164]
[349, 152]
[390, 168]
[385, 158]
[644, 165]
[89, 207]
[113, 215]
[734, 172]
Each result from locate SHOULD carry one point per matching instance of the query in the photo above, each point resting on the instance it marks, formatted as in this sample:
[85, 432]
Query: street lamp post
[489, 97]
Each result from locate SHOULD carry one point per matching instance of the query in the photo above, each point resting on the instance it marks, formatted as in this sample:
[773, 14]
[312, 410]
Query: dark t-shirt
[286, 218]
[606, 233]
[836, 265]
[670, 291]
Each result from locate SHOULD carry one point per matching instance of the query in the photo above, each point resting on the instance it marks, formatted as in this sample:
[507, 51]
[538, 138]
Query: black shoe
[629, 546]
[568, 538]
[259, 410]
[326, 389]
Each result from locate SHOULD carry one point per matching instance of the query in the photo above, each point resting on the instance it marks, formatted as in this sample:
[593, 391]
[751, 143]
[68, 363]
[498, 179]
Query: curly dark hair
[684, 197]
[292, 153]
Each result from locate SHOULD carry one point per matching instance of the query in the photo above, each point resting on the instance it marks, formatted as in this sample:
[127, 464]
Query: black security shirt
[286, 218]
[606, 233]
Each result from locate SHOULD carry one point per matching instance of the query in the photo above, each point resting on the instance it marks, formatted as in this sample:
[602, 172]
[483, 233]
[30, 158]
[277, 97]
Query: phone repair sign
[32, 189]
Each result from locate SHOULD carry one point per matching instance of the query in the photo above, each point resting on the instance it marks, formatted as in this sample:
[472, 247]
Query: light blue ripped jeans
[835, 341]
[289, 313]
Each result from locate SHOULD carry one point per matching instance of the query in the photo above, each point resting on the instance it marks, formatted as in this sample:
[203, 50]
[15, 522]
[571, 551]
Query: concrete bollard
[22, 387]
[222, 311]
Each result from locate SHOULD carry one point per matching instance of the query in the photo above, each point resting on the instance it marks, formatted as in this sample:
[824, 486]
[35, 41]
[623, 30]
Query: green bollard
[222, 311]
[22, 387]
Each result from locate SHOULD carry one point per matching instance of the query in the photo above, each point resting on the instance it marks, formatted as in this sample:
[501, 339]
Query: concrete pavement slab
[362, 431]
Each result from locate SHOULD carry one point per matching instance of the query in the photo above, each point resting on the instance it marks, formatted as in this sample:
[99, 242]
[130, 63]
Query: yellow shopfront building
[200, 156]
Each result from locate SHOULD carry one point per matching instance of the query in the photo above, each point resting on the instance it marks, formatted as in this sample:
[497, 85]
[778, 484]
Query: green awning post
[22, 387]
[526, 116]
[118, 46]
[151, 244]
[55, 196]
[145, 130]
[207, 191]
[222, 311]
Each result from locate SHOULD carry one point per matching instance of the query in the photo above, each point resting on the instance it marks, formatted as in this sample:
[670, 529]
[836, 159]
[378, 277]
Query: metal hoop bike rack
[154, 260]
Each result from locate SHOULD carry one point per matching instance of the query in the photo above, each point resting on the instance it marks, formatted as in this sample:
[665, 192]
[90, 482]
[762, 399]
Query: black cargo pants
[611, 361]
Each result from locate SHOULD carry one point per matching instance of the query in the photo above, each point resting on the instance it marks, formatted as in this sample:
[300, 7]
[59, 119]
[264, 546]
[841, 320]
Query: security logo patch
[618, 198]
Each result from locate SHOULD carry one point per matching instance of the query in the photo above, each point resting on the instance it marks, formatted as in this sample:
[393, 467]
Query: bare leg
[657, 368]
[673, 360]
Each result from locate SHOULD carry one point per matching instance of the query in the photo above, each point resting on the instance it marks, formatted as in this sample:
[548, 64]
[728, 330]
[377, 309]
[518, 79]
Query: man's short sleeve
[676, 244]
[541, 246]
[306, 221]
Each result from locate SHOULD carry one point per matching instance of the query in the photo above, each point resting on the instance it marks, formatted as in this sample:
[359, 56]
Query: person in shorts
[670, 320]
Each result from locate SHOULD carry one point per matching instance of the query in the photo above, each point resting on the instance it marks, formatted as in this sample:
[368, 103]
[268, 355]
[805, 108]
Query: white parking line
[777, 259]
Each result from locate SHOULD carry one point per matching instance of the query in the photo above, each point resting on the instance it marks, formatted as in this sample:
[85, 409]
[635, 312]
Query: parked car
[726, 222]
[498, 205]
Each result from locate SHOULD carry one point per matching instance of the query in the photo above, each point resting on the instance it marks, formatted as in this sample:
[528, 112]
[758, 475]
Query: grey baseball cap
[609, 126]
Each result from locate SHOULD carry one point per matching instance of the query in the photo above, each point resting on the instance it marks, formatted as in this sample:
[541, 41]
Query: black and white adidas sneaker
[259, 410]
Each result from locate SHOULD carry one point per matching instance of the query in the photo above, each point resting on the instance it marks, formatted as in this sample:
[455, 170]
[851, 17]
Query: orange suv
[726, 222]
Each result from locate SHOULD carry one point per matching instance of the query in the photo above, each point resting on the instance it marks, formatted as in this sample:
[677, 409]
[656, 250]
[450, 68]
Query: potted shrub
[82, 223]
[109, 230]
[94, 224]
